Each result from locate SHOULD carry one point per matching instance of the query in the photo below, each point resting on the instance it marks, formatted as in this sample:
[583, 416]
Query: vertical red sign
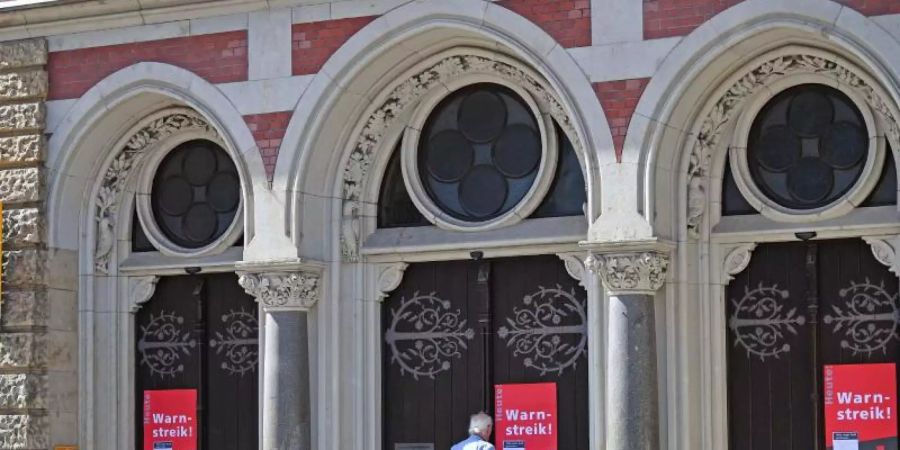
[525, 416]
[170, 419]
[860, 406]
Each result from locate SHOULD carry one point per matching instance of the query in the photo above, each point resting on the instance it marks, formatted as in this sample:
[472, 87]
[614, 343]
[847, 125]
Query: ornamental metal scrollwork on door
[760, 321]
[797, 307]
[436, 334]
[163, 343]
[201, 332]
[481, 323]
[237, 346]
[536, 329]
[868, 319]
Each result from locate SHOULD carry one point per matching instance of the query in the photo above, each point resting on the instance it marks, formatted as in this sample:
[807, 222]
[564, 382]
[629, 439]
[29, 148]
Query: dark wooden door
[200, 332]
[452, 330]
[797, 307]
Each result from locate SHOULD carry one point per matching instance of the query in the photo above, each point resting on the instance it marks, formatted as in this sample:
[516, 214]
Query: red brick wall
[568, 21]
[268, 129]
[619, 99]
[313, 43]
[217, 57]
[665, 18]
[873, 7]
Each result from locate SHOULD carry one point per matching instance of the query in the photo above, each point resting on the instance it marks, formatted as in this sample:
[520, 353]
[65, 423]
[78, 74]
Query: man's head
[481, 424]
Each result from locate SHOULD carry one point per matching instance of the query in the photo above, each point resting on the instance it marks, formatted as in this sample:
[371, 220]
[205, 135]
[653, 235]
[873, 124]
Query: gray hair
[479, 423]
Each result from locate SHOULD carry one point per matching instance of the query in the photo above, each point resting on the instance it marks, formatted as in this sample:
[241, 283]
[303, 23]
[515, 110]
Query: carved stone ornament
[116, 177]
[710, 134]
[630, 273]
[140, 289]
[389, 277]
[884, 249]
[737, 260]
[282, 290]
[574, 266]
[405, 95]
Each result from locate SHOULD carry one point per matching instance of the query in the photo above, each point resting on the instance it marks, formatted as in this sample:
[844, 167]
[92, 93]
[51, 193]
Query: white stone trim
[614, 21]
[410, 156]
[575, 267]
[737, 260]
[269, 44]
[140, 289]
[868, 178]
[265, 96]
[884, 249]
[618, 61]
[390, 276]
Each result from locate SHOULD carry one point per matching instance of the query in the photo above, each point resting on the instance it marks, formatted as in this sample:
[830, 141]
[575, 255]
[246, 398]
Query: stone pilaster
[631, 279]
[27, 350]
[286, 291]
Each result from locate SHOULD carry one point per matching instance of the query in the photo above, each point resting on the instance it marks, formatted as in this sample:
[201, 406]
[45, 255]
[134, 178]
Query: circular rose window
[481, 155]
[196, 194]
[807, 147]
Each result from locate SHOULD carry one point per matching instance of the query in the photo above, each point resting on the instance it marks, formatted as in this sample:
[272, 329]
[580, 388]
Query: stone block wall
[25, 349]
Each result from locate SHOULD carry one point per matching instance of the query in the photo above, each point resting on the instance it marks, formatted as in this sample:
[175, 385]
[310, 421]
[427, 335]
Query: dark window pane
[395, 208]
[139, 241]
[807, 147]
[568, 193]
[733, 202]
[196, 194]
[885, 193]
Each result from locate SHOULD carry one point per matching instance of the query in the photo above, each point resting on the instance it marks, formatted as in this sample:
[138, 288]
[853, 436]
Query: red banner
[860, 406]
[525, 416]
[170, 419]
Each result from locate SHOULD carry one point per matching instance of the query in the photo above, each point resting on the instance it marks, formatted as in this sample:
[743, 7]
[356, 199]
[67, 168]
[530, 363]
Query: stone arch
[363, 71]
[699, 66]
[105, 112]
[127, 112]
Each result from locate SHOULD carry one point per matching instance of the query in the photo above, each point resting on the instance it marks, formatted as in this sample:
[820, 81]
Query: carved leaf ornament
[407, 94]
[117, 175]
[710, 133]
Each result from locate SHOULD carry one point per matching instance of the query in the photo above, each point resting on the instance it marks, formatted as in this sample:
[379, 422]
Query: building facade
[342, 223]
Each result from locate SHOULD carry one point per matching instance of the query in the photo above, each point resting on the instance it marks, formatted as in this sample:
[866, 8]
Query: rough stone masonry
[24, 312]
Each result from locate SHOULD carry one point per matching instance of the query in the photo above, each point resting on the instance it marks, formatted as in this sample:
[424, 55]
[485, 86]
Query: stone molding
[575, 266]
[442, 70]
[798, 61]
[630, 272]
[737, 260]
[389, 278]
[282, 287]
[117, 175]
[140, 289]
[884, 248]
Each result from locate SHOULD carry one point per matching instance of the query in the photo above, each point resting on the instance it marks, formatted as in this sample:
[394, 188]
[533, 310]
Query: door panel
[797, 307]
[200, 332]
[454, 329]
[540, 323]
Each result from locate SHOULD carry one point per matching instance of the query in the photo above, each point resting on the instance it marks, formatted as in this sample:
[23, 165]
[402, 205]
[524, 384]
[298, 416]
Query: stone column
[286, 295]
[27, 364]
[631, 280]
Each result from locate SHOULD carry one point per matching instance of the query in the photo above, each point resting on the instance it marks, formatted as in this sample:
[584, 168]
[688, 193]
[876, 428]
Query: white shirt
[474, 442]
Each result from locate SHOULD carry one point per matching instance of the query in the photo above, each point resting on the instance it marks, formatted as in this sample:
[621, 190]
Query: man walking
[480, 427]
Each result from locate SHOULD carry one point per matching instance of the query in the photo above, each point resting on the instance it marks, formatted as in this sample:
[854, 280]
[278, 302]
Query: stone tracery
[712, 127]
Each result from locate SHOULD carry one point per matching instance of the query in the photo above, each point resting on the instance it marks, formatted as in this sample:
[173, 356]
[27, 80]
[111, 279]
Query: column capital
[283, 285]
[630, 272]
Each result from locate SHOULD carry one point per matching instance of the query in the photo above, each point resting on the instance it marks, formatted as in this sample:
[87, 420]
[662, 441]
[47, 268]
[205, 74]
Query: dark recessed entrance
[200, 332]
[453, 330]
[797, 307]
